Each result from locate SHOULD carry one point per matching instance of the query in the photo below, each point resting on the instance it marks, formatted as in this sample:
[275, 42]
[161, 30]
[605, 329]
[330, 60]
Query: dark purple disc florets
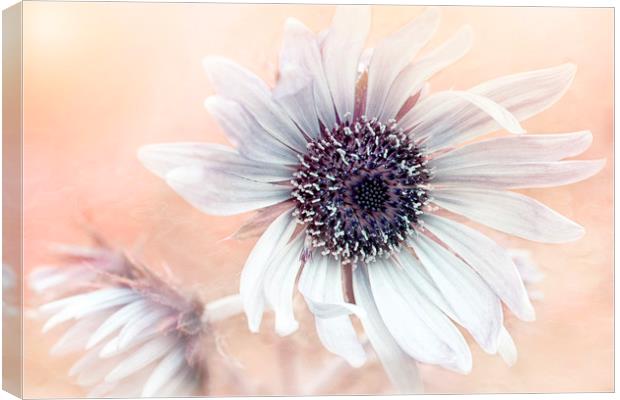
[360, 189]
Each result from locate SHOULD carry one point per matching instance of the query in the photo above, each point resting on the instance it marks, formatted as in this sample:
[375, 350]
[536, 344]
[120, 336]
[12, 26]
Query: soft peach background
[103, 79]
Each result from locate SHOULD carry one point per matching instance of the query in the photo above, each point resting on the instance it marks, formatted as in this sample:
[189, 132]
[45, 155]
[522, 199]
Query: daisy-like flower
[358, 168]
[141, 336]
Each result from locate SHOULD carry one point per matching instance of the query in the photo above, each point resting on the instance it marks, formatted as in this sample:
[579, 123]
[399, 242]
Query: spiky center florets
[360, 189]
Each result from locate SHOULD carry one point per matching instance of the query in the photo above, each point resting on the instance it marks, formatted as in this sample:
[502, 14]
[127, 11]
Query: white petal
[128, 387]
[509, 212]
[83, 363]
[507, 349]
[251, 139]
[164, 157]
[439, 120]
[321, 284]
[139, 328]
[90, 303]
[301, 48]
[295, 94]
[341, 52]
[519, 175]
[279, 284]
[116, 321]
[399, 367]
[515, 149]
[527, 94]
[223, 308]
[184, 384]
[167, 368]
[74, 338]
[489, 259]
[338, 336]
[91, 370]
[523, 95]
[418, 326]
[142, 357]
[222, 193]
[275, 237]
[414, 75]
[44, 278]
[423, 282]
[474, 303]
[96, 296]
[393, 54]
[238, 84]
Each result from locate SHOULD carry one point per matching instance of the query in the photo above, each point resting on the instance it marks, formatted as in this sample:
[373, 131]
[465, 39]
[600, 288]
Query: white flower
[140, 335]
[352, 162]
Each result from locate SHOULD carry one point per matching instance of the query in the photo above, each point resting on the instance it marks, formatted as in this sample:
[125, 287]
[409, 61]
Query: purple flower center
[360, 189]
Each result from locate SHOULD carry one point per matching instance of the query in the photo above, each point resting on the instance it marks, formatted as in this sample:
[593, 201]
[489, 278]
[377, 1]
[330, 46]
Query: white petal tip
[598, 165]
[287, 329]
[213, 64]
[462, 367]
[146, 153]
[183, 176]
[570, 68]
[49, 326]
[357, 361]
[293, 24]
[528, 315]
[254, 325]
[209, 103]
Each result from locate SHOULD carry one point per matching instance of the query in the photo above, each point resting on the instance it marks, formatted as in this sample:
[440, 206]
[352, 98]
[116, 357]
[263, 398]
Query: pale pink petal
[513, 213]
[238, 84]
[478, 309]
[518, 175]
[222, 193]
[489, 259]
[393, 54]
[515, 149]
[341, 53]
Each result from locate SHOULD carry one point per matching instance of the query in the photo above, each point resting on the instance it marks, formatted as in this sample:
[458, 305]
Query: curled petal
[523, 95]
[321, 284]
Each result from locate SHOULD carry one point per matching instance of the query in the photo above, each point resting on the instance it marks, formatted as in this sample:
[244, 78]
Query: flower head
[141, 336]
[359, 170]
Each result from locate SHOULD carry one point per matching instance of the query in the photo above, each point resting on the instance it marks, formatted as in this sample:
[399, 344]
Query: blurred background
[102, 79]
